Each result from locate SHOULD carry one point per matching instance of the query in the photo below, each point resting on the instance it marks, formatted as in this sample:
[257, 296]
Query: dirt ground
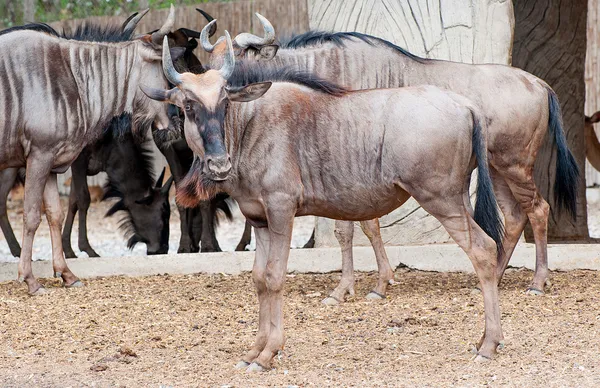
[185, 331]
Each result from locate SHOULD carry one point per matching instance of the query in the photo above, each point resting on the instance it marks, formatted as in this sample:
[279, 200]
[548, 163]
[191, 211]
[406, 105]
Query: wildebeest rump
[308, 147]
[519, 108]
[57, 97]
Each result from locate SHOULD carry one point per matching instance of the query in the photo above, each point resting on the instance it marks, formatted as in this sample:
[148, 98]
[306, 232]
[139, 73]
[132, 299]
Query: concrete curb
[439, 258]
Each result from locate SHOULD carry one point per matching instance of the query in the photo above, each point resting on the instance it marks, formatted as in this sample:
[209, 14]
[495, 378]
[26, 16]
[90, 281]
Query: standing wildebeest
[519, 109]
[128, 165]
[307, 147]
[58, 96]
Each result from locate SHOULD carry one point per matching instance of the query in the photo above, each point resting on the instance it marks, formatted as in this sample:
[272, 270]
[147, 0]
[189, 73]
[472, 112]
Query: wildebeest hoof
[330, 301]
[255, 367]
[75, 284]
[40, 291]
[242, 365]
[534, 291]
[374, 295]
[480, 358]
[476, 291]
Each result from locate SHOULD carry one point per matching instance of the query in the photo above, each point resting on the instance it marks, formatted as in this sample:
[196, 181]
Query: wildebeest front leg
[246, 237]
[38, 169]
[344, 232]
[208, 241]
[7, 181]
[54, 216]
[280, 216]
[386, 273]
[258, 276]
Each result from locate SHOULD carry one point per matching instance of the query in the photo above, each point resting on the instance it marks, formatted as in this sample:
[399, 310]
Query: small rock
[99, 367]
[394, 330]
[126, 351]
[313, 295]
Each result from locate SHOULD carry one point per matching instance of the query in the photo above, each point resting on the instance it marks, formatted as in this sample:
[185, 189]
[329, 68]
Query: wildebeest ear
[145, 201]
[173, 96]
[247, 93]
[268, 52]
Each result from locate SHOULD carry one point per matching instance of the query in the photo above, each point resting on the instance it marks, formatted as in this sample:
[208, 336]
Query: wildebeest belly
[356, 202]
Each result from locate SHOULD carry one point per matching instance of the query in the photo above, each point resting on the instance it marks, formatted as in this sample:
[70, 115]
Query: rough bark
[28, 11]
[472, 31]
[550, 42]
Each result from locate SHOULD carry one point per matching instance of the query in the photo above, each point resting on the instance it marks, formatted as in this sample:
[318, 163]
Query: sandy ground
[106, 238]
[185, 331]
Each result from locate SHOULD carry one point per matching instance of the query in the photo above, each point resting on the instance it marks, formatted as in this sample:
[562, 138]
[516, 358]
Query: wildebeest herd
[339, 125]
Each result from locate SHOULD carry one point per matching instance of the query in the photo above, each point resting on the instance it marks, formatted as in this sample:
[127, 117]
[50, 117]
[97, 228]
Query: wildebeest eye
[188, 107]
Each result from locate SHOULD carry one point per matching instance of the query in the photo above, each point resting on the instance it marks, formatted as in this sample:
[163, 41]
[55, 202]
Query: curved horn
[172, 75]
[228, 60]
[132, 22]
[166, 28]
[245, 40]
[205, 34]
[161, 178]
[210, 19]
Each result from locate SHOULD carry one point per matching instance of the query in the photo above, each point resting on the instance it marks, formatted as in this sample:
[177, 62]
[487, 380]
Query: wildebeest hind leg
[36, 175]
[7, 181]
[481, 249]
[514, 220]
[66, 235]
[344, 232]
[537, 210]
[258, 275]
[372, 230]
[54, 216]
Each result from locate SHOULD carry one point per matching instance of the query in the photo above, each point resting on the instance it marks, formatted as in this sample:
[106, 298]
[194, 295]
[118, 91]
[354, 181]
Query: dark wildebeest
[303, 148]
[57, 98]
[519, 108]
[128, 165]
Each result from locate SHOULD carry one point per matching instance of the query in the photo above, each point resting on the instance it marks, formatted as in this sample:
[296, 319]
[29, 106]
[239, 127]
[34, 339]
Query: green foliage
[11, 11]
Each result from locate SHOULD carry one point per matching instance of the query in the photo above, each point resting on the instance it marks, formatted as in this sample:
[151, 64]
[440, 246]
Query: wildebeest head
[146, 219]
[150, 72]
[245, 45]
[204, 99]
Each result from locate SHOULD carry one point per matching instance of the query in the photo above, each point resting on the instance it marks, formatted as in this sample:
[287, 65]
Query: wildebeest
[519, 108]
[592, 145]
[309, 147]
[128, 165]
[58, 96]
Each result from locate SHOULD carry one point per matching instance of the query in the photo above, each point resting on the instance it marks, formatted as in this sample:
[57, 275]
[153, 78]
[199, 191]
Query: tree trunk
[143, 4]
[471, 31]
[28, 11]
[550, 42]
[592, 77]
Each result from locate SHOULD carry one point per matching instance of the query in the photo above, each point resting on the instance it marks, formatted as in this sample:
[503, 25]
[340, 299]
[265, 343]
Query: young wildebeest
[57, 98]
[307, 147]
[519, 108]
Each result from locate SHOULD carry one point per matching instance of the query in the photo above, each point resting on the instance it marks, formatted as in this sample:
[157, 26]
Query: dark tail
[487, 215]
[567, 171]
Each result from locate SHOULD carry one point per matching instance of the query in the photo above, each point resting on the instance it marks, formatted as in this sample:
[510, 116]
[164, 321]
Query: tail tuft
[567, 171]
[487, 215]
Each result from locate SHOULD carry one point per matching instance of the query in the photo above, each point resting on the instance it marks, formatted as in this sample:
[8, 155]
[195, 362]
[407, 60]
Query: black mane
[90, 32]
[85, 32]
[315, 38]
[39, 27]
[246, 73]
